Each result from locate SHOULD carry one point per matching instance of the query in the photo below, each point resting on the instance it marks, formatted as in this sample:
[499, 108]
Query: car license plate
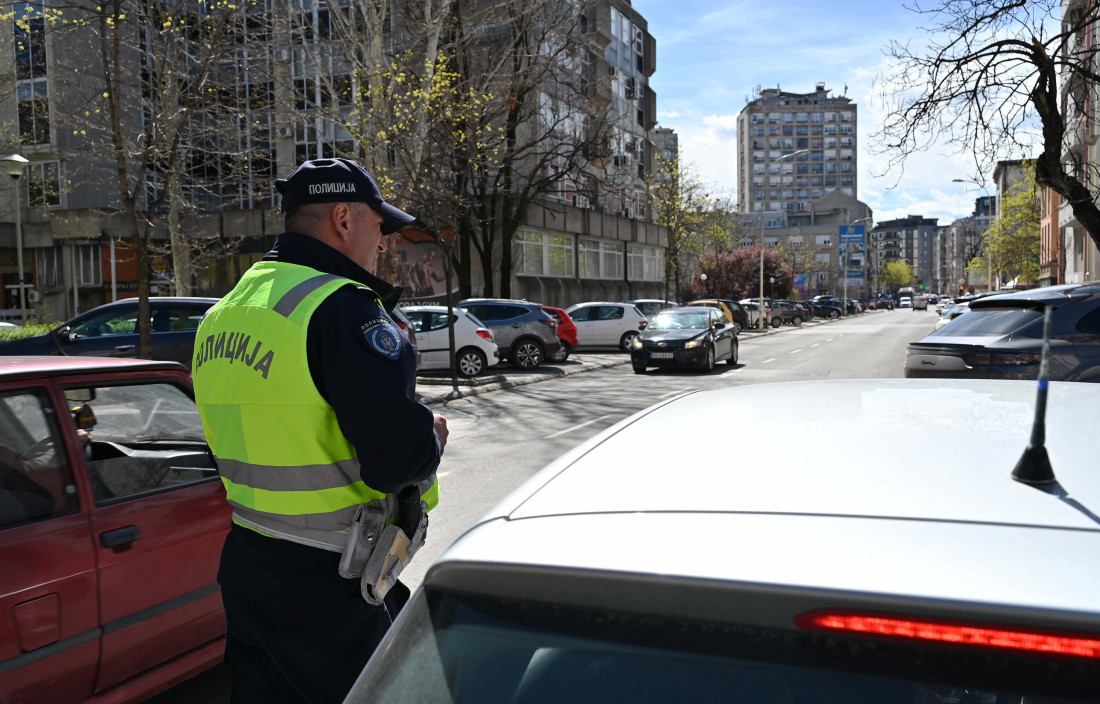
[660, 355]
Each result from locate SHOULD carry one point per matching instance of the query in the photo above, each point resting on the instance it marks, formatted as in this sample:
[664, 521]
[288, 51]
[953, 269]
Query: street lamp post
[14, 165]
[844, 270]
[761, 322]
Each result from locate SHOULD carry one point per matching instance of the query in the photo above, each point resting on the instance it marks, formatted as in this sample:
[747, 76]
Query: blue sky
[711, 55]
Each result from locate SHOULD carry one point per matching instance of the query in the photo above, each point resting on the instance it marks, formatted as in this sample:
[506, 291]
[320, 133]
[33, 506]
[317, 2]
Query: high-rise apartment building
[910, 239]
[285, 92]
[779, 123]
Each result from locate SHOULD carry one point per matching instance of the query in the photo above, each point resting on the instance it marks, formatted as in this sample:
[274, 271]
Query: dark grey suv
[1002, 337]
[525, 334]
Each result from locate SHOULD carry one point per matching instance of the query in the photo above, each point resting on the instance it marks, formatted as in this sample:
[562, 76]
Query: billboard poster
[801, 284]
[419, 268]
[852, 246]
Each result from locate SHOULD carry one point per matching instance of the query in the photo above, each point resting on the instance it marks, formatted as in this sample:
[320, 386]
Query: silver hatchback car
[525, 333]
[914, 571]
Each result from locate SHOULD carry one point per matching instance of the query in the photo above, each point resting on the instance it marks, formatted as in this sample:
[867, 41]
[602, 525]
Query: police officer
[305, 387]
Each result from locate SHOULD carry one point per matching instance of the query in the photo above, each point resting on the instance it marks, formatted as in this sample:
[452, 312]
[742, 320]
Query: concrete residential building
[818, 228]
[591, 236]
[1052, 249]
[909, 239]
[1080, 257]
[957, 244]
[776, 123]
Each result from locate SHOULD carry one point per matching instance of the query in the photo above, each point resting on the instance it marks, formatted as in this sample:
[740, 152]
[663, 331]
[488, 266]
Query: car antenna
[1034, 465]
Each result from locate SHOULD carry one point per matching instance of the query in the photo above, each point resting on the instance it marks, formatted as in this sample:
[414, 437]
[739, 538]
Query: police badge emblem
[382, 337]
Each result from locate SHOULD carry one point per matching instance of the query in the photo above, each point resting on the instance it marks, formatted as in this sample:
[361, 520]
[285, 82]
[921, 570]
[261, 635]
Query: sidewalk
[438, 387]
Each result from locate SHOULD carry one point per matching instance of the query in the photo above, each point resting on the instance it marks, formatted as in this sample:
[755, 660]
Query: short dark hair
[306, 218]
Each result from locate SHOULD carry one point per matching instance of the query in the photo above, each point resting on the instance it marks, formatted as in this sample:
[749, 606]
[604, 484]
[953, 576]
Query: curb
[507, 383]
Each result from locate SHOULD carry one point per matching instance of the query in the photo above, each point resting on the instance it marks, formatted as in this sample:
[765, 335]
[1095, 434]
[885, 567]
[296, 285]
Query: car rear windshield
[469, 650]
[990, 321]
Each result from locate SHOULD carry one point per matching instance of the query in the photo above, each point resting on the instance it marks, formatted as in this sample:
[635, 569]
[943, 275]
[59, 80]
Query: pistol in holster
[384, 536]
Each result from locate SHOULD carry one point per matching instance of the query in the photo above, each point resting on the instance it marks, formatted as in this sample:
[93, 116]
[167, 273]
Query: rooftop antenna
[1034, 465]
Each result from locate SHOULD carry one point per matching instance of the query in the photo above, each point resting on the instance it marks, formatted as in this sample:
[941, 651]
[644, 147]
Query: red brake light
[485, 334]
[642, 324]
[967, 634]
[1007, 359]
[547, 321]
[401, 325]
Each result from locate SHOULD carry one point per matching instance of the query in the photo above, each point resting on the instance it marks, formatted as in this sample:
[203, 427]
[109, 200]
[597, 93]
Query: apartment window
[846, 129]
[89, 268]
[771, 241]
[815, 130]
[816, 156]
[644, 263]
[824, 240]
[599, 259]
[788, 117]
[757, 131]
[47, 266]
[823, 258]
[802, 117]
[815, 117]
[44, 184]
[830, 129]
[795, 241]
[846, 116]
[830, 117]
[32, 89]
[543, 254]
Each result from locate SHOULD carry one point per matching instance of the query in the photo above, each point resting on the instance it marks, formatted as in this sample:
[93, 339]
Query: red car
[112, 519]
[567, 332]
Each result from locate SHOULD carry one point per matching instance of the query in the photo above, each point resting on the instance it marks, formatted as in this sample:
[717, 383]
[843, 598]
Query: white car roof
[893, 510]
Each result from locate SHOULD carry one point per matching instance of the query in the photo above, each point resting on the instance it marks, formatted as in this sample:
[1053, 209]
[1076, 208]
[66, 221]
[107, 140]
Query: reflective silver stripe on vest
[308, 477]
[328, 531]
[296, 295]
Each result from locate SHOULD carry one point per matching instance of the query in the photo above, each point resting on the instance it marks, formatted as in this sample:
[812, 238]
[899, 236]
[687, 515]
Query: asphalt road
[501, 438]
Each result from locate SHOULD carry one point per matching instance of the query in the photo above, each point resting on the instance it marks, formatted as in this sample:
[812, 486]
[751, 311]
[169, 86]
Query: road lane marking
[795, 351]
[830, 339]
[677, 391]
[815, 344]
[575, 427]
[768, 360]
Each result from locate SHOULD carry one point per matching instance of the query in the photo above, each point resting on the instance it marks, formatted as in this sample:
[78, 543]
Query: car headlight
[638, 345]
[693, 343]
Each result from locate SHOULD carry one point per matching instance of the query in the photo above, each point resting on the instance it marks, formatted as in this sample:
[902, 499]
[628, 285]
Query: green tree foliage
[682, 204]
[1012, 240]
[896, 273]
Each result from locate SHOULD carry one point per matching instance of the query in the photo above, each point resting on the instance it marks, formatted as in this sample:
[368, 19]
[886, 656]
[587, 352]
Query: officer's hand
[441, 429]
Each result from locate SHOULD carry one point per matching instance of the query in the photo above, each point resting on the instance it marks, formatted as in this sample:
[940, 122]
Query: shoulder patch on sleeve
[382, 337]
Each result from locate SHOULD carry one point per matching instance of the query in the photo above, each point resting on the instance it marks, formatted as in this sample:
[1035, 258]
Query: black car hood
[671, 335]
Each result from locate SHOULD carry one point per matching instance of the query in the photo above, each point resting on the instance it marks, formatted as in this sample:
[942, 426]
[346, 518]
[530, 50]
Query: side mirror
[717, 324]
[63, 333]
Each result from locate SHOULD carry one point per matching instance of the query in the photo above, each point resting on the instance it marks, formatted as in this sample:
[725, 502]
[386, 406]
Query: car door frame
[150, 617]
[62, 665]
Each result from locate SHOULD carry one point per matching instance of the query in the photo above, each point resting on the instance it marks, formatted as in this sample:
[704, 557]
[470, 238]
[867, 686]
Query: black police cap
[338, 181]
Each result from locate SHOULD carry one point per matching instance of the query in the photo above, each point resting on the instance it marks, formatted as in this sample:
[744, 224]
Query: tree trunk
[181, 254]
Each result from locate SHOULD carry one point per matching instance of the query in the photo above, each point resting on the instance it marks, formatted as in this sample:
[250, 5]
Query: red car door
[49, 628]
[158, 521]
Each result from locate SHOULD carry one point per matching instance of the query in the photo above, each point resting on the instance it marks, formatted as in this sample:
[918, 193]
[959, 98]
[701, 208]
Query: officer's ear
[342, 218]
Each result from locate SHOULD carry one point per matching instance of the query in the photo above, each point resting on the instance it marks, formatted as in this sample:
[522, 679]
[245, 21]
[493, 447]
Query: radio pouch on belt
[366, 528]
[395, 547]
